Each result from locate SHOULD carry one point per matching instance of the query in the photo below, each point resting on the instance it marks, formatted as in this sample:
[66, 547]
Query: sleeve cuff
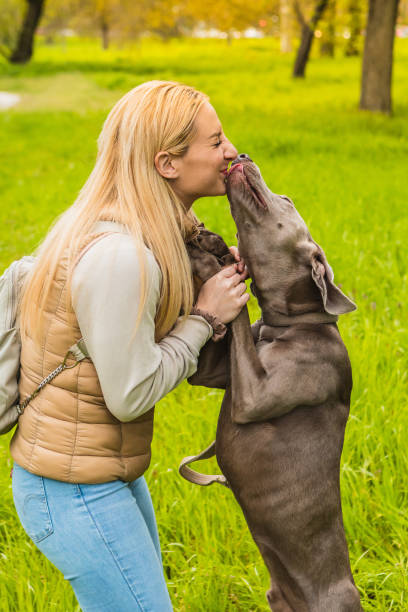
[194, 331]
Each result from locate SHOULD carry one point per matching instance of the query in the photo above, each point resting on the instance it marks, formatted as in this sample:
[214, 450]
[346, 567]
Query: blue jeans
[102, 537]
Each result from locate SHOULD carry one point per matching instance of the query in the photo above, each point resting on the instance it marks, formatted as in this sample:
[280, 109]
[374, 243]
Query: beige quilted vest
[67, 432]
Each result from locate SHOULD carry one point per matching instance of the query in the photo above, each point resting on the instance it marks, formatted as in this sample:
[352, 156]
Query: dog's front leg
[283, 376]
[212, 366]
[247, 371]
[213, 362]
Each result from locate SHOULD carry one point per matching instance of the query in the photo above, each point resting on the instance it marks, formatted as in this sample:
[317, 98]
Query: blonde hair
[124, 186]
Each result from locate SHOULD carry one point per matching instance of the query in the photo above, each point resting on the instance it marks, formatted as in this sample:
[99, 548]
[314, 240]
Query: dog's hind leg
[341, 597]
[283, 594]
[276, 600]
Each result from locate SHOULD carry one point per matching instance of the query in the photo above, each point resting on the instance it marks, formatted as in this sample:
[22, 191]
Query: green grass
[347, 172]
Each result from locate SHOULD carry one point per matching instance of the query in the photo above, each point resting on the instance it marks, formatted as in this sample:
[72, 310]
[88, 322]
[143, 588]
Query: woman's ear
[165, 165]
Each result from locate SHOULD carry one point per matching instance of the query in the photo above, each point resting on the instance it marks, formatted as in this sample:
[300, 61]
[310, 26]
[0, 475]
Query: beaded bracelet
[220, 329]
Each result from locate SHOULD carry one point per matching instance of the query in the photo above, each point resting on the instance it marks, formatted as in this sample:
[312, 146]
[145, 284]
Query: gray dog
[288, 383]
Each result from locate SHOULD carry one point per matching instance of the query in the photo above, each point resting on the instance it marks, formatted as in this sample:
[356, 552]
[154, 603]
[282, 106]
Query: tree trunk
[328, 40]
[285, 27]
[354, 10]
[104, 33]
[377, 59]
[303, 51]
[308, 30]
[24, 49]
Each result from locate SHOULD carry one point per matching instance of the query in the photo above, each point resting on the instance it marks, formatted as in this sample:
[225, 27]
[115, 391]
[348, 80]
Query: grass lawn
[347, 172]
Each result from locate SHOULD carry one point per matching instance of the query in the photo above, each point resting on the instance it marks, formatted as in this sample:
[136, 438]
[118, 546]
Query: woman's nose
[231, 152]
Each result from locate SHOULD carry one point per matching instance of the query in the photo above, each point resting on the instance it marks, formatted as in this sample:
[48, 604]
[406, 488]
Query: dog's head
[289, 270]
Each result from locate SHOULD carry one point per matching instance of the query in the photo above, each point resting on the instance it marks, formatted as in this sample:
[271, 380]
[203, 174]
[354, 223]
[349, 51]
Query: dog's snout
[241, 157]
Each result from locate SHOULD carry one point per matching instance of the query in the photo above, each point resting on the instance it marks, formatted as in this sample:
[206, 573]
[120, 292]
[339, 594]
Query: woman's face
[202, 170]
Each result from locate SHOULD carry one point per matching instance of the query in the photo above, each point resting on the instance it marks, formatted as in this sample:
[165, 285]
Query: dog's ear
[334, 300]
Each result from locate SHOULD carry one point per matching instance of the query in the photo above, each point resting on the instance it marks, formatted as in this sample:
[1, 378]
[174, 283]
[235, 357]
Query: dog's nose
[241, 157]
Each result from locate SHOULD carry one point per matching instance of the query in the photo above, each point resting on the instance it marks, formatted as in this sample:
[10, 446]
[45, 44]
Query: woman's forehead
[207, 123]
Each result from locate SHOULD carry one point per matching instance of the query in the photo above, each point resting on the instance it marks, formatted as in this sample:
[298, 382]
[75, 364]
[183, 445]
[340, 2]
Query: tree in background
[24, 48]
[107, 19]
[97, 16]
[328, 30]
[12, 12]
[307, 34]
[355, 24]
[378, 56]
[403, 11]
[166, 18]
[285, 13]
[231, 16]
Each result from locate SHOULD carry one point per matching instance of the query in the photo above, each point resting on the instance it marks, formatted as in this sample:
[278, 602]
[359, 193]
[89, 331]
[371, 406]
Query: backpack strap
[79, 352]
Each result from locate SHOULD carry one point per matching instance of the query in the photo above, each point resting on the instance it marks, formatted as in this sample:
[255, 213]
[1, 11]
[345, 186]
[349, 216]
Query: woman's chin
[218, 189]
[223, 188]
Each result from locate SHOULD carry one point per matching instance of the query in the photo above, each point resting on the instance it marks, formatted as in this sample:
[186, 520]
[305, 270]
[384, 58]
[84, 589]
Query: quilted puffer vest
[67, 432]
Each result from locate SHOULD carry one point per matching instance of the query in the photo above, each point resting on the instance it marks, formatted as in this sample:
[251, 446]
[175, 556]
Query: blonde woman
[114, 270]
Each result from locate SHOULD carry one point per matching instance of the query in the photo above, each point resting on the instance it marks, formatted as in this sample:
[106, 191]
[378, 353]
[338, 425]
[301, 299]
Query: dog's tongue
[235, 167]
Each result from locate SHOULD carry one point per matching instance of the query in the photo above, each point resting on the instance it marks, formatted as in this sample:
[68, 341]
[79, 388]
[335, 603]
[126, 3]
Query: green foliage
[355, 23]
[11, 14]
[346, 171]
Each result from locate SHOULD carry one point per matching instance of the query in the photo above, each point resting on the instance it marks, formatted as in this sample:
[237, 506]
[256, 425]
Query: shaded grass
[347, 172]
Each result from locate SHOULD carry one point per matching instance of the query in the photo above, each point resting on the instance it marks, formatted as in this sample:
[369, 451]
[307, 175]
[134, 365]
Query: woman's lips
[225, 174]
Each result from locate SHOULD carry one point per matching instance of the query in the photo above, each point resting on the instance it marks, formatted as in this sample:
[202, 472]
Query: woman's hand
[224, 294]
[240, 265]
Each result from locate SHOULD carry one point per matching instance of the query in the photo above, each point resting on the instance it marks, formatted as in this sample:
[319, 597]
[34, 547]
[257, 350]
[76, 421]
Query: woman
[114, 270]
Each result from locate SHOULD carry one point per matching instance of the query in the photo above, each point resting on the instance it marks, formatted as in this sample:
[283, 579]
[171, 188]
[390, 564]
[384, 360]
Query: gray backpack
[11, 284]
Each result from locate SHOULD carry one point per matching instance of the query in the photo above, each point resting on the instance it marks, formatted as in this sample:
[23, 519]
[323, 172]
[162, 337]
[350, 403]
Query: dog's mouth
[256, 194]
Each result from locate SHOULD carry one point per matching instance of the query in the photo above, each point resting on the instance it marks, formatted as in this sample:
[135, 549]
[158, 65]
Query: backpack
[11, 284]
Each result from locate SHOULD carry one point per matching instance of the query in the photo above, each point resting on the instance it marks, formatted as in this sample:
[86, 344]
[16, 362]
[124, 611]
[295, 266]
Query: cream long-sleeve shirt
[134, 373]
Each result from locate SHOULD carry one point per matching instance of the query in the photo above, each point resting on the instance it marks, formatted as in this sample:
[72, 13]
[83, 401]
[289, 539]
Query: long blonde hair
[124, 186]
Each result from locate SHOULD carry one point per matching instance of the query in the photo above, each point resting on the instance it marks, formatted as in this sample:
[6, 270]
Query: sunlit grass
[347, 172]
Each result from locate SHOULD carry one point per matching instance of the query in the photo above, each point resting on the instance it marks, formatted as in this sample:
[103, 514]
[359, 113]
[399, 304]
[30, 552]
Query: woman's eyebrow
[215, 134]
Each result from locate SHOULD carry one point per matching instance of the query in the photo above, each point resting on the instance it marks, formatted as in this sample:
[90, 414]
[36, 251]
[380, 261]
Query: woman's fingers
[240, 265]
[241, 288]
[231, 272]
[227, 271]
[244, 273]
[232, 276]
[234, 251]
[224, 294]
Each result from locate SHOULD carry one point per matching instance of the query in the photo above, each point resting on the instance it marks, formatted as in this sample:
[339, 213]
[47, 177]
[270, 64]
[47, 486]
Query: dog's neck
[277, 319]
[290, 299]
[278, 324]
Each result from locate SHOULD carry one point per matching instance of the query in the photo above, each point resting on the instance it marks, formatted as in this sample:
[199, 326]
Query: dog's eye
[284, 197]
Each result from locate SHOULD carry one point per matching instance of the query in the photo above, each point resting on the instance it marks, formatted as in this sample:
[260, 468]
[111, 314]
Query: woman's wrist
[219, 328]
